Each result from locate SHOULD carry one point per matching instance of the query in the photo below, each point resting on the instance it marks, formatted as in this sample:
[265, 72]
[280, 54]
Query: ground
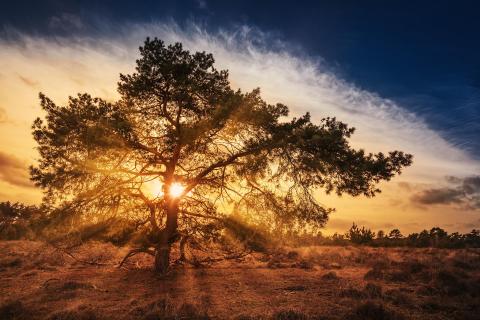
[39, 281]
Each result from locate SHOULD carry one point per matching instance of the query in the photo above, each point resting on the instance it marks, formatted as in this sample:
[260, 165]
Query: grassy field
[41, 282]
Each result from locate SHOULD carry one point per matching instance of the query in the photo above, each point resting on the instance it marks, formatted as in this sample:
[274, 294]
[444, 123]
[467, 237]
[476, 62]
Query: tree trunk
[167, 237]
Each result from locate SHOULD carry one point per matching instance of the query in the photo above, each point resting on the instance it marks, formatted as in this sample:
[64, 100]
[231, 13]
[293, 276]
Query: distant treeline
[19, 221]
[435, 237]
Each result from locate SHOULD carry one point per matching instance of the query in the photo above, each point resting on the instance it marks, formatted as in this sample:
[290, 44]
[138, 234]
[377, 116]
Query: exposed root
[45, 284]
[133, 252]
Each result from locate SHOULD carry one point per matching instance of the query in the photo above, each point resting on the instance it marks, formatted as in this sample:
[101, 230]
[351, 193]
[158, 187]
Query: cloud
[28, 82]
[462, 192]
[66, 22]
[14, 171]
[202, 4]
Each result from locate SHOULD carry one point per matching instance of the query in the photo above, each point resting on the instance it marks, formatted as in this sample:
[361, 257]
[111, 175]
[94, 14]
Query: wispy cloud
[202, 4]
[28, 82]
[66, 22]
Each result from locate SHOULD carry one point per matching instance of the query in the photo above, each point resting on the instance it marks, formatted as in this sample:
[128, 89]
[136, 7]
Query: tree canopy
[181, 149]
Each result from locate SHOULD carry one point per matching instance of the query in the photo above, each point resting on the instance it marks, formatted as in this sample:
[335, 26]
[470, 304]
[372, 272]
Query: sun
[176, 190]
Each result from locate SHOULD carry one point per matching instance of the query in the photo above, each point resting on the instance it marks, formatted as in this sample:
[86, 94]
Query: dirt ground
[38, 281]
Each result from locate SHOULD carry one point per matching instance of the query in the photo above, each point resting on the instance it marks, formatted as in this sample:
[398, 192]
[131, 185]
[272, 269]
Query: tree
[423, 239]
[359, 236]
[437, 235]
[380, 234]
[205, 150]
[395, 234]
[19, 221]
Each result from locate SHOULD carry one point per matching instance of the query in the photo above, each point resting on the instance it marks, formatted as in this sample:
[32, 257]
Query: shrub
[330, 276]
[14, 310]
[448, 283]
[399, 276]
[413, 266]
[74, 315]
[398, 298]
[165, 310]
[373, 290]
[289, 315]
[374, 274]
[374, 311]
[353, 293]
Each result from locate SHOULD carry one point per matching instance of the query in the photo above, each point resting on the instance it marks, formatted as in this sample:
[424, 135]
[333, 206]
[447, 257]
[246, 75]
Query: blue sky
[422, 54]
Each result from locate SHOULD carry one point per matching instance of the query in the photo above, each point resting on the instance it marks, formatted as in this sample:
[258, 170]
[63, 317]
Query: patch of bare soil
[38, 281]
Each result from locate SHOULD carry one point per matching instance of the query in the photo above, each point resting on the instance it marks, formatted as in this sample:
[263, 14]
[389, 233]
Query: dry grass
[40, 282]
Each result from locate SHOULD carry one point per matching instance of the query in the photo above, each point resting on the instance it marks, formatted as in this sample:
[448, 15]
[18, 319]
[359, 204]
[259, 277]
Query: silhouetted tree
[179, 122]
[380, 234]
[18, 220]
[437, 236]
[395, 234]
[423, 239]
[472, 239]
[359, 236]
[339, 239]
[456, 240]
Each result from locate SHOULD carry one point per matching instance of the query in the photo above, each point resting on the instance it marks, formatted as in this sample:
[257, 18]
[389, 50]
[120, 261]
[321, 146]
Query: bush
[330, 276]
[165, 310]
[14, 310]
[373, 290]
[74, 315]
[449, 283]
[374, 274]
[353, 293]
[398, 298]
[250, 236]
[289, 315]
[374, 311]
[399, 276]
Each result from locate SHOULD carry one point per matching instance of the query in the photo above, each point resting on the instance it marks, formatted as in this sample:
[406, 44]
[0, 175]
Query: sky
[405, 75]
